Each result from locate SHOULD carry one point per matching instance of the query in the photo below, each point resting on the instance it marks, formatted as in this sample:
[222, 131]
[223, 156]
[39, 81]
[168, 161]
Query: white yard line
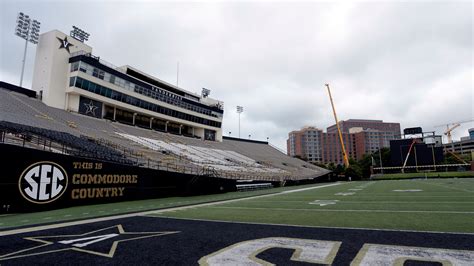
[372, 202]
[410, 195]
[121, 216]
[313, 226]
[339, 210]
[304, 189]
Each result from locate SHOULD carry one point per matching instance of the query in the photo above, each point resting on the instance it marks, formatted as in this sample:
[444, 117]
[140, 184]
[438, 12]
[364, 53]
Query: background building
[360, 137]
[365, 124]
[306, 144]
[464, 147]
[68, 76]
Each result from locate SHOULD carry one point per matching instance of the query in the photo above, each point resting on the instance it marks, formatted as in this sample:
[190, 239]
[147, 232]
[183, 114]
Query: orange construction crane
[448, 131]
[451, 126]
[344, 154]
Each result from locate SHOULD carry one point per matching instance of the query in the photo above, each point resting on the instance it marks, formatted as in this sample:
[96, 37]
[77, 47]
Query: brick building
[359, 136]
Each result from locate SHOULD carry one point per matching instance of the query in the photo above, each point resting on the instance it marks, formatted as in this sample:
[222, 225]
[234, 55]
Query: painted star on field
[102, 242]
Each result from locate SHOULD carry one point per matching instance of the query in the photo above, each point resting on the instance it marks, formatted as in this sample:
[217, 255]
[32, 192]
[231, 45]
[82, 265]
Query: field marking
[398, 195]
[311, 226]
[439, 185]
[120, 216]
[336, 210]
[323, 202]
[345, 194]
[302, 189]
[407, 190]
[373, 202]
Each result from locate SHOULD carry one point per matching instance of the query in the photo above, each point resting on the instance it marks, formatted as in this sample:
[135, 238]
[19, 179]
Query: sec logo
[43, 182]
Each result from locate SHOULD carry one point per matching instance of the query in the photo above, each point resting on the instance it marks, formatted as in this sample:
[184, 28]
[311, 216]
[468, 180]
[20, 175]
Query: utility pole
[380, 158]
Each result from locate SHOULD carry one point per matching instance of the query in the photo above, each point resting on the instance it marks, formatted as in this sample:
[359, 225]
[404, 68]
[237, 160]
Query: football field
[404, 222]
[443, 205]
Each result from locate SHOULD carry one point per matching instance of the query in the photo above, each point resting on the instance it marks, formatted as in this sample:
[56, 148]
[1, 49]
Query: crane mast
[344, 154]
[449, 129]
[451, 126]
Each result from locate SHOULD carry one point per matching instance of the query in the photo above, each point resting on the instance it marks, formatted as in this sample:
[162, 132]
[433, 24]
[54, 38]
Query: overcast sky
[407, 62]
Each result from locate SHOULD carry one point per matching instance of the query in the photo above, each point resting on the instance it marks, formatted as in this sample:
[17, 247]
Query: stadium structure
[416, 148]
[110, 152]
[90, 132]
[463, 147]
[416, 151]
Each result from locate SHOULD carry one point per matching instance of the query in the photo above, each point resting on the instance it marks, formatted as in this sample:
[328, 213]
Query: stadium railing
[105, 150]
[247, 187]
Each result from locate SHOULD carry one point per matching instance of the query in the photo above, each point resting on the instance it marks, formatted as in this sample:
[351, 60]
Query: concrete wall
[50, 73]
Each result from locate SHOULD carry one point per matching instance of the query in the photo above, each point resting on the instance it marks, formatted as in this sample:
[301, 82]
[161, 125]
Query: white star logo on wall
[64, 44]
[90, 108]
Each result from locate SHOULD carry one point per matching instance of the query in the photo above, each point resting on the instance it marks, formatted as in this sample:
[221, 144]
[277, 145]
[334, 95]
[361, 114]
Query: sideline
[312, 226]
[344, 210]
[121, 216]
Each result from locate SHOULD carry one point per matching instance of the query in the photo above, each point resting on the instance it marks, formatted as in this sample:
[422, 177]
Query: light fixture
[27, 29]
[79, 34]
[205, 92]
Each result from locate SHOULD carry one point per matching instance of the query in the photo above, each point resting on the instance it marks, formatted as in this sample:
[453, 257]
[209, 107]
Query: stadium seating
[113, 141]
[78, 146]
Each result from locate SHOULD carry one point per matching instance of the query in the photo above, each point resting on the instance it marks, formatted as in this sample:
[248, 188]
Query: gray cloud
[398, 61]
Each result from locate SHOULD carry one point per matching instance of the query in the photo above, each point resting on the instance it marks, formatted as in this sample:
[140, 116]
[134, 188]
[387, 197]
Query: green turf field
[424, 175]
[445, 205]
[92, 211]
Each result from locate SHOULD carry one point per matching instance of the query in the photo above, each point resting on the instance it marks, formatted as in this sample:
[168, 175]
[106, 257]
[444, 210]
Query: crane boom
[344, 154]
[449, 129]
[451, 126]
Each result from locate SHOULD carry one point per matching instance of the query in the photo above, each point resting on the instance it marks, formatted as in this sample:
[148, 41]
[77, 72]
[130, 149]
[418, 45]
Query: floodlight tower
[27, 29]
[79, 34]
[240, 109]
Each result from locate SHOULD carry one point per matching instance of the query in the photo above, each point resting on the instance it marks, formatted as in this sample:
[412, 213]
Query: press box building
[68, 76]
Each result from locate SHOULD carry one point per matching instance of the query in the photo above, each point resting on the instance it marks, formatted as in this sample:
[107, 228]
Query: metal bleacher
[154, 149]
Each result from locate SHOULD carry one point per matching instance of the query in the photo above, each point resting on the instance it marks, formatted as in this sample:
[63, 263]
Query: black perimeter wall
[90, 181]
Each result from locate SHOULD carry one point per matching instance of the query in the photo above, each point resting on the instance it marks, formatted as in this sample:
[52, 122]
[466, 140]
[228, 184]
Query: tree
[450, 158]
[331, 166]
[361, 168]
[339, 170]
[354, 170]
[365, 164]
[385, 157]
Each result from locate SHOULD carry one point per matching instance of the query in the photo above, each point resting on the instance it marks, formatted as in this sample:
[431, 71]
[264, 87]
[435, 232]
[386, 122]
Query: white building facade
[68, 76]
